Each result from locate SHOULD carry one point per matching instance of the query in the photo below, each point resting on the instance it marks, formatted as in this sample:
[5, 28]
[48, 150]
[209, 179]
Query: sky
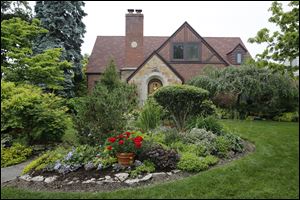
[162, 18]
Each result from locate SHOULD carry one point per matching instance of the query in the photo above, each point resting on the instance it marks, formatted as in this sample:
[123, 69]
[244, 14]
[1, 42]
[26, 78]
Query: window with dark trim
[178, 51]
[238, 58]
[185, 51]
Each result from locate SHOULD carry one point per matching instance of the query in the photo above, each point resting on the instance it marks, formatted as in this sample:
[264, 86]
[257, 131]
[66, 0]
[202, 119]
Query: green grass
[272, 171]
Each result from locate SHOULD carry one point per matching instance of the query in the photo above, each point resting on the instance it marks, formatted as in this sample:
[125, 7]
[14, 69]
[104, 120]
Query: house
[154, 61]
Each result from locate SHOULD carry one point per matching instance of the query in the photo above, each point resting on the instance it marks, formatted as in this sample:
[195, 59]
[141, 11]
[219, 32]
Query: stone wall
[153, 68]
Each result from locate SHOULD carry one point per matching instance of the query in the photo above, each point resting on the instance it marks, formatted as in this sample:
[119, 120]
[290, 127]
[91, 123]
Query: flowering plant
[127, 142]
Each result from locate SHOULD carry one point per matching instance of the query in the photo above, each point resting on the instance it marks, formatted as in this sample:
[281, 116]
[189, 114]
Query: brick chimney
[134, 40]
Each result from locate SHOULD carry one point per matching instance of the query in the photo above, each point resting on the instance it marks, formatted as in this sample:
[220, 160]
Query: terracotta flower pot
[125, 159]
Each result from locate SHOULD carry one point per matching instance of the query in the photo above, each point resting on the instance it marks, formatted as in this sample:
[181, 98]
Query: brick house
[154, 61]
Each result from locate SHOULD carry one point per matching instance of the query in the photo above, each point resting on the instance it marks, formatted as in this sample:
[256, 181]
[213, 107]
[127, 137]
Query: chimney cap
[138, 10]
[130, 10]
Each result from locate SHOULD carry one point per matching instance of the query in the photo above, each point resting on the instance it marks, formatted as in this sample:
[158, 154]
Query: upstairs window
[178, 51]
[186, 51]
[239, 58]
[192, 52]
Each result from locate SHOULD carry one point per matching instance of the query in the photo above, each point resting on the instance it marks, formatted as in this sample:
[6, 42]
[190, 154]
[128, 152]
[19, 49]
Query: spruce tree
[63, 19]
[110, 77]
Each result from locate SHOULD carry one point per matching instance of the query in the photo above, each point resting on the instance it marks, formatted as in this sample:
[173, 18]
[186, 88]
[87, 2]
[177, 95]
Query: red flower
[138, 139]
[137, 145]
[121, 136]
[112, 139]
[121, 142]
[128, 134]
[109, 147]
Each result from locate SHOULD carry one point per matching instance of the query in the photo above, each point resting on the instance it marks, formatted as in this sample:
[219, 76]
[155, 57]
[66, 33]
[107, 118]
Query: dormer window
[238, 58]
[186, 51]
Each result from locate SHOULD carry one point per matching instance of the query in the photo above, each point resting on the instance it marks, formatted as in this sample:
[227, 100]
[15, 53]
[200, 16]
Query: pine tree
[110, 77]
[63, 19]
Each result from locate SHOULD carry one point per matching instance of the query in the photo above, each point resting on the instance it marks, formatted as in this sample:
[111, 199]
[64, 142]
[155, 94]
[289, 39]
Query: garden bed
[78, 181]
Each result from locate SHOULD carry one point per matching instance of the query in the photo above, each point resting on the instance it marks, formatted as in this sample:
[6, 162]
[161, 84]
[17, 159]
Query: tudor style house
[154, 61]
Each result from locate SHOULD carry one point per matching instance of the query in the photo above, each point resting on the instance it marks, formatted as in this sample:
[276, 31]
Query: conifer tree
[63, 19]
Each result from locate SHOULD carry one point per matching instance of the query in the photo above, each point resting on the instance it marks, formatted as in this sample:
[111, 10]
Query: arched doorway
[153, 85]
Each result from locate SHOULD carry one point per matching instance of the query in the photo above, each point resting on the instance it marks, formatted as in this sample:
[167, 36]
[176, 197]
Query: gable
[155, 64]
[186, 34]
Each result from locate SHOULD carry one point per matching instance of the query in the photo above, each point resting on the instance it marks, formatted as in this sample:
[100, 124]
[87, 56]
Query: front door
[153, 85]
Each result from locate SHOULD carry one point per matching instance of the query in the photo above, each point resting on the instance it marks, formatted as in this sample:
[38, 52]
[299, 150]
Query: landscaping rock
[71, 182]
[89, 181]
[38, 178]
[132, 181]
[75, 167]
[175, 171]
[89, 166]
[57, 165]
[117, 167]
[137, 163]
[101, 179]
[100, 166]
[75, 178]
[122, 176]
[154, 175]
[25, 177]
[50, 179]
[107, 177]
[147, 177]
[64, 169]
[169, 173]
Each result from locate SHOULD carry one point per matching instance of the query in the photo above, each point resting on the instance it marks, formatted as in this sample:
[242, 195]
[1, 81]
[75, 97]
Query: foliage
[104, 110]
[198, 136]
[191, 163]
[209, 123]
[162, 158]
[71, 137]
[278, 142]
[82, 154]
[81, 85]
[11, 9]
[63, 19]
[210, 160]
[106, 161]
[47, 159]
[205, 82]
[171, 135]
[222, 146]
[198, 149]
[146, 167]
[236, 143]
[15, 154]
[283, 44]
[150, 116]
[249, 90]
[20, 65]
[181, 101]
[287, 117]
[27, 112]
[128, 142]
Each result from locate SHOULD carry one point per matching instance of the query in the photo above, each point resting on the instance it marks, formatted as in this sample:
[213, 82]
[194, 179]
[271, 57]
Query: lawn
[272, 171]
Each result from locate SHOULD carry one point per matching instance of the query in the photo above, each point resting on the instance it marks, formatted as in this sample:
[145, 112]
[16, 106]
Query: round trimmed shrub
[181, 101]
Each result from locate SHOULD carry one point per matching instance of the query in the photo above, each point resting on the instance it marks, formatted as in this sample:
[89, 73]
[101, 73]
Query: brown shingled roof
[107, 47]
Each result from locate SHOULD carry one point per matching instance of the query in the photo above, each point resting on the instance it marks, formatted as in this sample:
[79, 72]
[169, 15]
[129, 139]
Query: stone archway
[153, 85]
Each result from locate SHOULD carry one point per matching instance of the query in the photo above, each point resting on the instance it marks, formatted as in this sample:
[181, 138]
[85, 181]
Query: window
[239, 58]
[192, 52]
[178, 51]
[187, 51]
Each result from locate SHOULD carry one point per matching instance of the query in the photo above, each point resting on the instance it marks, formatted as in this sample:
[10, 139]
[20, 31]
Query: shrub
[150, 116]
[192, 163]
[47, 160]
[205, 82]
[162, 158]
[28, 113]
[196, 136]
[222, 146]
[81, 155]
[15, 154]
[171, 135]
[209, 123]
[287, 117]
[210, 160]
[105, 109]
[254, 91]
[146, 167]
[181, 101]
[198, 149]
[236, 143]
[106, 161]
